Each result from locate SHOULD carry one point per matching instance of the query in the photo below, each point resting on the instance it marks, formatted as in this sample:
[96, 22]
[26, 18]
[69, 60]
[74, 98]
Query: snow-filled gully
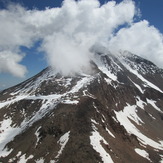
[95, 141]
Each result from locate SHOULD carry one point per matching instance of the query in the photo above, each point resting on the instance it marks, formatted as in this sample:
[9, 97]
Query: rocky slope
[114, 113]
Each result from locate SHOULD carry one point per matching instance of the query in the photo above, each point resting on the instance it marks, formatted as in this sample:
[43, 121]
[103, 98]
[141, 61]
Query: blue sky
[35, 61]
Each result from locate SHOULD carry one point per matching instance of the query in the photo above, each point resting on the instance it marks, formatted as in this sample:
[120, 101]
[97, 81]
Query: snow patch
[136, 85]
[23, 158]
[93, 121]
[7, 133]
[140, 103]
[103, 117]
[95, 141]
[152, 102]
[110, 133]
[151, 116]
[108, 73]
[86, 93]
[41, 160]
[108, 81]
[52, 161]
[142, 153]
[140, 89]
[161, 161]
[74, 102]
[81, 83]
[115, 119]
[14, 158]
[130, 111]
[63, 141]
[37, 135]
[95, 107]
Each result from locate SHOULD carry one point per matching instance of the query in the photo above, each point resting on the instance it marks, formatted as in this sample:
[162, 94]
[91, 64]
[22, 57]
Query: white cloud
[140, 39]
[77, 26]
[68, 33]
[9, 63]
[65, 54]
[14, 29]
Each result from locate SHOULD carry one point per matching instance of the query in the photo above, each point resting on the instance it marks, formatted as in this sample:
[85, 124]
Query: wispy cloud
[68, 33]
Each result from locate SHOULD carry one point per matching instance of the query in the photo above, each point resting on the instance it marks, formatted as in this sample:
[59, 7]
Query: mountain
[110, 113]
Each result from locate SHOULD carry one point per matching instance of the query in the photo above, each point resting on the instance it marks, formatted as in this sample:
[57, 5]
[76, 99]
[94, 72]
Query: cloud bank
[68, 33]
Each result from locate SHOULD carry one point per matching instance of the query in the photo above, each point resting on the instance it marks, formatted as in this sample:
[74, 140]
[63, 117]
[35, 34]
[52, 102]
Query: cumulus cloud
[68, 33]
[9, 63]
[141, 39]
